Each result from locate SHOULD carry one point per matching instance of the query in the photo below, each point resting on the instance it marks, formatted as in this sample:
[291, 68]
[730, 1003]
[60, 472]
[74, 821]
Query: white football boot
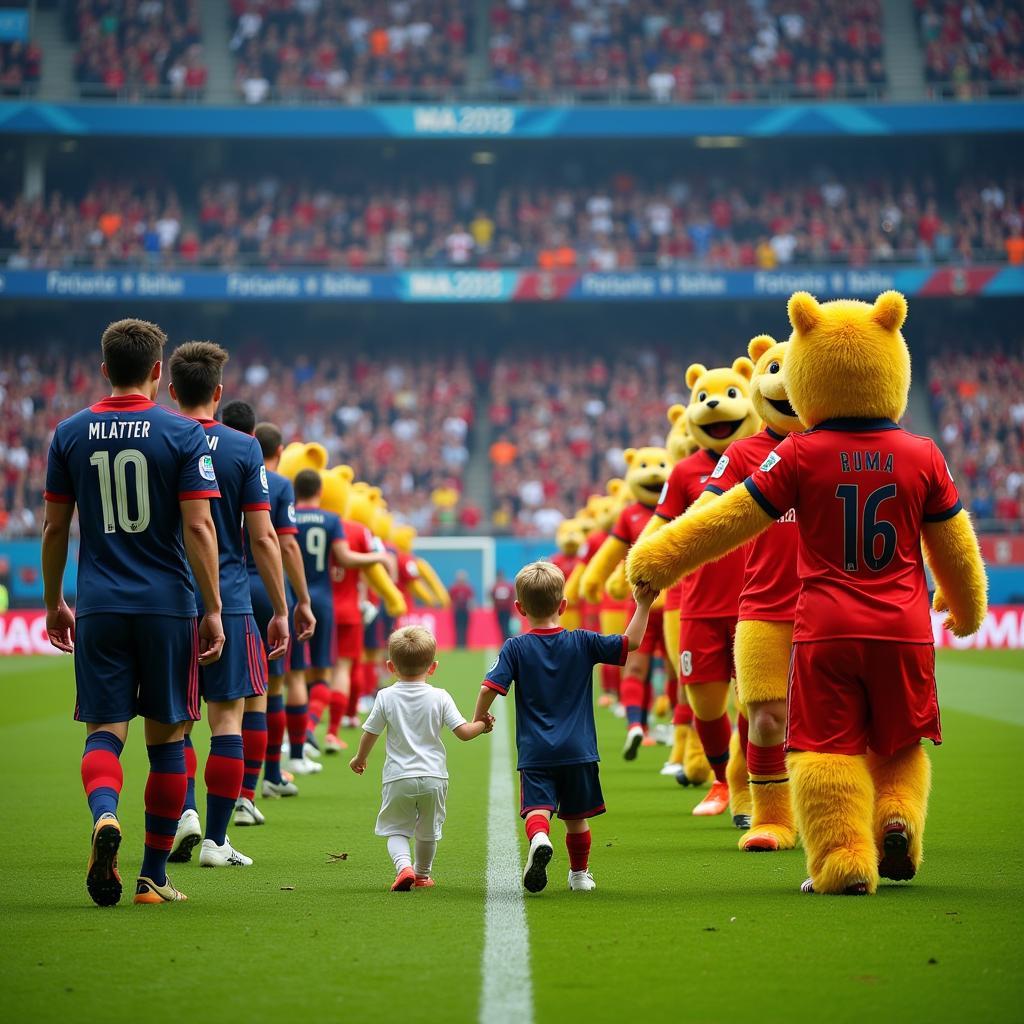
[247, 813]
[188, 836]
[273, 790]
[581, 881]
[213, 856]
[535, 875]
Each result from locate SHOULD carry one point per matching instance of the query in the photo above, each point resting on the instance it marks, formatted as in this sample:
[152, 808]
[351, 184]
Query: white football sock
[425, 850]
[398, 849]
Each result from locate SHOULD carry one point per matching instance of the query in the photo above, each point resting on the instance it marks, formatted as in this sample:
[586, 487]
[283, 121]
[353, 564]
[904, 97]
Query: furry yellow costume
[862, 633]
[428, 587]
[764, 630]
[720, 412]
[570, 539]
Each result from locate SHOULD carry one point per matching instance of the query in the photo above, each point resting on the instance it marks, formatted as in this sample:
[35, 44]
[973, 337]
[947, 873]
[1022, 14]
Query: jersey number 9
[316, 546]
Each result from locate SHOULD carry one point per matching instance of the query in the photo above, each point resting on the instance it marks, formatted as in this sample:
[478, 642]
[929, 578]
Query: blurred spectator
[20, 67]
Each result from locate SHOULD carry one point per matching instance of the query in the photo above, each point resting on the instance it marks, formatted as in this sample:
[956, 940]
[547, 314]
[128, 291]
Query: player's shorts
[848, 695]
[376, 633]
[319, 648]
[128, 665]
[263, 612]
[413, 807]
[571, 791]
[241, 670]
[654, 638]
[705, 650]
[349, 640]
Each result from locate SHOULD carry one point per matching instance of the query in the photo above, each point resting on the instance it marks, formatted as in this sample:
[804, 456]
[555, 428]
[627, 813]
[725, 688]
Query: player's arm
[470, 730]
[638, 623]
[484, 701]
[266, 552]
[200, 537]
[295, 571]
[954, 558]
[60, 620]
[366, 742]
[344, 556]
[702, 535]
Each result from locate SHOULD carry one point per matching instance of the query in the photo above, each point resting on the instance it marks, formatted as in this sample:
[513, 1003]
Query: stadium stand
[681, 51]
[618, 223]
[335, 50]
[20, 68]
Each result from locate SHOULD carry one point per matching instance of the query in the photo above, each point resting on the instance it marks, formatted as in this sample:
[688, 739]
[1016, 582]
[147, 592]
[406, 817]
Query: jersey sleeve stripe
[625, 650]
[257, 506]
[661, 515]
[59, 499]
[623, 540]
[283, 531]
[766, 505]
[713, 489]
[196, 495]
[492, 685]
[941, 517]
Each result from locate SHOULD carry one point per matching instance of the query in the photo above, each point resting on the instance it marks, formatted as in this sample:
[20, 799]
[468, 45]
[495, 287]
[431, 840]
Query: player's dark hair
[131, 348]
[196, 370]
[307, 484]
[270, 438]
[238, 415]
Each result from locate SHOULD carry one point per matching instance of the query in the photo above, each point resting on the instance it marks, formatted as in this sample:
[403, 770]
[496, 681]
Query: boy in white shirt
[415, 773]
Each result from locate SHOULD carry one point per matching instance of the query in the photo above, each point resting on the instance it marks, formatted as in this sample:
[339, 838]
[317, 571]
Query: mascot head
[720, 410]
[337, 483]
[678, 444]
[570, 536]
[767, 387]
[847, 358]
[402, 536]
[297, 457]
[647, 470]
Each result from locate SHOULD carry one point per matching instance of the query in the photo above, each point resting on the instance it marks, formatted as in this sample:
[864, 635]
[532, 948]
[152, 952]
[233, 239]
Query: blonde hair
[412, 650]
[540, 587]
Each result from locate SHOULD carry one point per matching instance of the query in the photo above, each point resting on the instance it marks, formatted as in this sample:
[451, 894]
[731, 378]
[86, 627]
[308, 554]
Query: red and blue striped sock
[254, 746]
[275, 734]
[191, 767]
[101, 773]
[165, 798]
[631, 693]
[297, 717]
[224, 770]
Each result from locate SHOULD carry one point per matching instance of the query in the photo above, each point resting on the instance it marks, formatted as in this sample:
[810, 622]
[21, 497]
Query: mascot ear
[759, 345]
[629, 455]
[346, 473]
[675, 413]
[317, 455]
[615, 485]
[889, 311]
[804, 311]
[694, 372]
[744, 367]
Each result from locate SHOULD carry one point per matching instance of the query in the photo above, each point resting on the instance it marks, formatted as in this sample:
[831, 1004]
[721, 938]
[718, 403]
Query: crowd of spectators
[972, 47]
[20, 67]
[978, 404]
[560, 425]
[678, 50]
[138, 49]
[403, 424]
[619, 224]
[343, 51]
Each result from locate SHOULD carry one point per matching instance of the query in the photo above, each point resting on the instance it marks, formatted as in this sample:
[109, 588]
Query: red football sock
[339, 701]
[537, 823]
[683, 714]
[611, 676]
[672, 690]
[319, 697]
[766, 764]
[631, 693]
[355, 688]
[578, 845]
[715, 737]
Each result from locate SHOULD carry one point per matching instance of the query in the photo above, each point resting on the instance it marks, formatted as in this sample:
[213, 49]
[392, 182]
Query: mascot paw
[939, 602]
[662, 706]
[396, 608]
[767, 838]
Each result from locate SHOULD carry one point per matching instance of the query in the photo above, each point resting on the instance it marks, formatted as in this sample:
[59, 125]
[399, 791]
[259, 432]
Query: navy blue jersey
[127, 463]
[238, 460]
[553, 671]
[318, 530]
[282, 513]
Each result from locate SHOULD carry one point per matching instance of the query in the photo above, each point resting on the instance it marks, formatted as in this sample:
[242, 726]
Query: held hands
[60, 627]
[211, 638]
[488, 721]
[644, 595]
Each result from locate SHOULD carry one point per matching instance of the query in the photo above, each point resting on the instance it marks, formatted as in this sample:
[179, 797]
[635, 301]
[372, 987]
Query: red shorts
[705, 651]
[350, 640]
[654, 639]
[848, 695]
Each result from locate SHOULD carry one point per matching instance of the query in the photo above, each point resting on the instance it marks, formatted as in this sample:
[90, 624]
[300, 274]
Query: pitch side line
[506, 993]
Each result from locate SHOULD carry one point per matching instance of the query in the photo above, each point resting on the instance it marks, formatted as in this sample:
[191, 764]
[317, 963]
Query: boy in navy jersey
[142, 478]
[555, 733]
[196, 369]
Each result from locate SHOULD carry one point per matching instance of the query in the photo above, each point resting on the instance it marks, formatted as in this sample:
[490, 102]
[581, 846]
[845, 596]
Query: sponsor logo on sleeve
[206, 468]
[719, 470]
[772, 460]
[664, 493]
[494, 665]
[291, 512]
[263, 478]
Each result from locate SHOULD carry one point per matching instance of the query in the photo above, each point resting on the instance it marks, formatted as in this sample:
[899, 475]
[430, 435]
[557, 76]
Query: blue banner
[509, 121]
[13, 26]
[499, 286]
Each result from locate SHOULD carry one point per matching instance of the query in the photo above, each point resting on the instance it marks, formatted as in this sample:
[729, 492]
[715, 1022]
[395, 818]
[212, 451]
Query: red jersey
[770, 580]
[408, 573]
[566, 562]
[713, 591]
[631, 522]
[345, 582]
[862, 489]
[594, 541]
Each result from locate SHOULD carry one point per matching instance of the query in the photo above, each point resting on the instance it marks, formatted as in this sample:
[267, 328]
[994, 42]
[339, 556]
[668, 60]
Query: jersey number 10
[114, 490]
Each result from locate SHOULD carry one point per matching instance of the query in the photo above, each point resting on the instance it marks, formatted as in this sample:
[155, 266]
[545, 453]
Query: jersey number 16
[865, 527]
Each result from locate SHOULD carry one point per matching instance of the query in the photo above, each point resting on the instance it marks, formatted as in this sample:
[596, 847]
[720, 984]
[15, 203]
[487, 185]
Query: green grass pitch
[682, 926]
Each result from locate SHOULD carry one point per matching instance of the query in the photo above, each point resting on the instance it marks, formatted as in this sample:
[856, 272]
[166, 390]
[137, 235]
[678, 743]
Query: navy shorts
[128, 665]
[568, 790]
[376, 633]
[263, 612]
[320, 646]
[242, 668]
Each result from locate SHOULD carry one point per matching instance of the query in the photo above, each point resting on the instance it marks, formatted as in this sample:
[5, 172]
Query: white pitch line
[506, 992]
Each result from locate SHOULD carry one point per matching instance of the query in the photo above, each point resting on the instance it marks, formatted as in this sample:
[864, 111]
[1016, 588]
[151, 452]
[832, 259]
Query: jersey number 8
[114, 490]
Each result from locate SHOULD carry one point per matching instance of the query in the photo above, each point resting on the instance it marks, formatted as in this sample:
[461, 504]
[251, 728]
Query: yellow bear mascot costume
[720, 412]
[764, 631]
[866, 496]
[424, 584]
[646, 473]
[570, 539]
